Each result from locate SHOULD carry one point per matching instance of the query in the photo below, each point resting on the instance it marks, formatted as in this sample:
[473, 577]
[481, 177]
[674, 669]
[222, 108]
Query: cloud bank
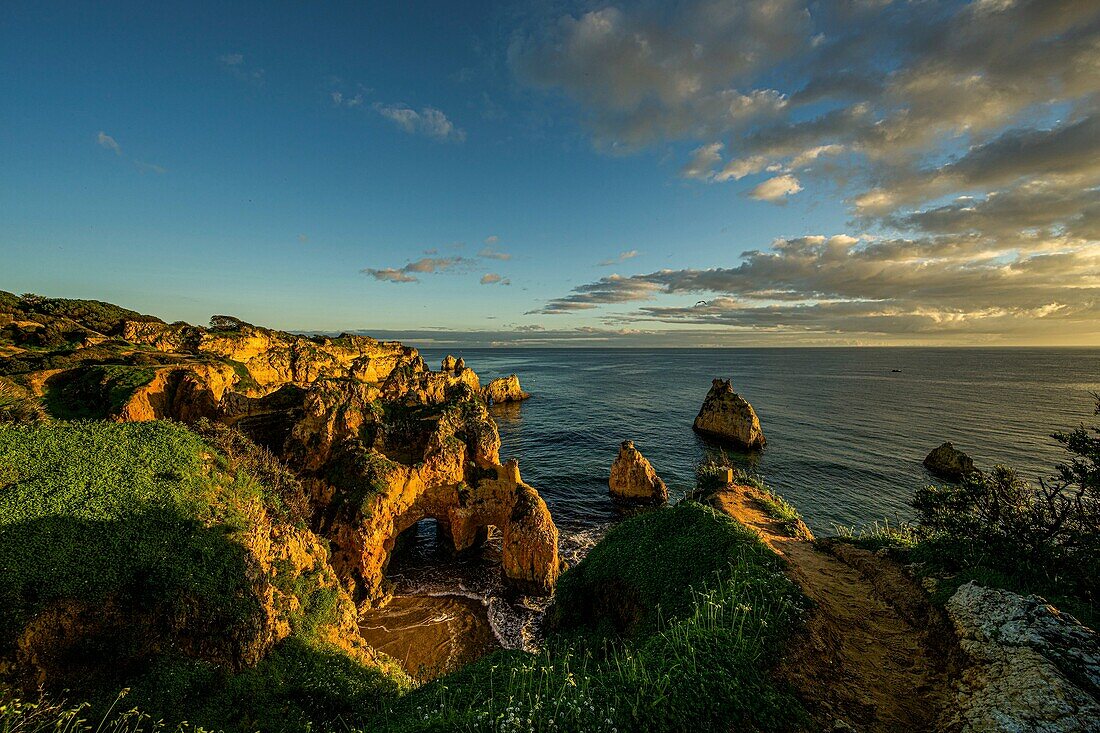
[964, 136]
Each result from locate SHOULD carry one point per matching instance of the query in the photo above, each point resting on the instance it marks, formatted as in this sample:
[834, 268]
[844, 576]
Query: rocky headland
[207, 516]
[372, 441]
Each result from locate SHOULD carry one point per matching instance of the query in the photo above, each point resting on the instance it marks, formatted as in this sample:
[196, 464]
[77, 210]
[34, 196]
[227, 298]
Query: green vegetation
[672, 622]
[143, 495]
[136, 533]
[94, 392]
[1006, 532]
[710, 476]
[95, 315]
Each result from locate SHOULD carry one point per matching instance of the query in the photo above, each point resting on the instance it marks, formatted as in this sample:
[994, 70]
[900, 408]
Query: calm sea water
[846, 435]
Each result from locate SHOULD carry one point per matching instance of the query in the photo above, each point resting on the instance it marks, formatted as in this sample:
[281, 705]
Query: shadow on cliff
[87, 604]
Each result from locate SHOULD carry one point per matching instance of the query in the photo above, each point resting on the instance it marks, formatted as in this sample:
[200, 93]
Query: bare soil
[873, 656]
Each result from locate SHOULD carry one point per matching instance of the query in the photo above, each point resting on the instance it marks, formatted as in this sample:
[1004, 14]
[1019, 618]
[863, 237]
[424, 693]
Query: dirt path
[862, 661]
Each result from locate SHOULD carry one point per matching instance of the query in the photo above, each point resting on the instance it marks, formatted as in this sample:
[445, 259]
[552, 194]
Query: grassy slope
[149, 516]
[709, 612]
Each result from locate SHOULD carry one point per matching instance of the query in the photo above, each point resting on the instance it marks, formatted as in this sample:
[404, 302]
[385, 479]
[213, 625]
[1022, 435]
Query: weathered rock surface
[379, 439]
[1033, 668]
[633, 478]
[504, 389]
[728, 417]
[949, 462]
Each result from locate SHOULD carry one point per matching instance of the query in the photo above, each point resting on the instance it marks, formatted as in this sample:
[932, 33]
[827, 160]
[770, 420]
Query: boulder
[449, 363]
[633, 478]
[728, 417]
[949, 462]
[1032, 667]
[504, 389]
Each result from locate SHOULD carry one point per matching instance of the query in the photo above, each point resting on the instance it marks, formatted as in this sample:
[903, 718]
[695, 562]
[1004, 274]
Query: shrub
[1004, 531]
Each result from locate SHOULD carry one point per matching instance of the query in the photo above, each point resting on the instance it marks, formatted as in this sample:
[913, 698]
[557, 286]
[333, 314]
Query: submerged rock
[728, 417]
[633, 478]
[504, 389]
[1033, 668]
[949, 462]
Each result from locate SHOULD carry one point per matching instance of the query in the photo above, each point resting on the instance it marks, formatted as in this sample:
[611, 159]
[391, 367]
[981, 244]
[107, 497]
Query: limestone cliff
[728, 417]
[379, 439]
[633, 478]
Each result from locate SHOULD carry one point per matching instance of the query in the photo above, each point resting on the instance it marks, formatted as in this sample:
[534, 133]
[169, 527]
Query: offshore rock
[949, 462]
[633, 478]
[504, 389]
[728, 417]
[1033, 668]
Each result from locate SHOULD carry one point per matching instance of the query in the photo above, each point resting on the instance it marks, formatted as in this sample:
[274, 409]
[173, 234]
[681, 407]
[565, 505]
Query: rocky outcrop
[380, 439]
[269, 359]
[633, 479]
[728, 417]
[504, 389]
[949, 462]
[1032, 668]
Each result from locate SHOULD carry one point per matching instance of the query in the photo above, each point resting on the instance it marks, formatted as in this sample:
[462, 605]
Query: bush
[1004, 531]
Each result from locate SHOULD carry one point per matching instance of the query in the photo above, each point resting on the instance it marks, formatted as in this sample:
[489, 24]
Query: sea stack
[949, 462]
[633, 478]
[729, 418]
[504, 389]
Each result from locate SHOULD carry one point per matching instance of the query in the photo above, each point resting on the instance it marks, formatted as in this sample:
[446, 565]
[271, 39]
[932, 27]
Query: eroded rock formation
[379, 440]
[633, 478]
[728, 417]
[1032, 668]
[949, 462]
[504, 389]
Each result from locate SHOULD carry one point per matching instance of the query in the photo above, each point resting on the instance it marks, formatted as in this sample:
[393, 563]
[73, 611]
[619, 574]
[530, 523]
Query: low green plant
[709, 612]
[94, 392]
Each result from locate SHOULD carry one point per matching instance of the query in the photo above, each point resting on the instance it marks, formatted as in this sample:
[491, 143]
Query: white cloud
[776, 189]
[491, 254]
[622, 257]
[429, 121]
[237, 65]
[492, 278]
[106, 141]
[702, 163]
[408, 273]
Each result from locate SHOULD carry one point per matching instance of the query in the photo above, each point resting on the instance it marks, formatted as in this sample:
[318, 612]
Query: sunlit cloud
[408, 273]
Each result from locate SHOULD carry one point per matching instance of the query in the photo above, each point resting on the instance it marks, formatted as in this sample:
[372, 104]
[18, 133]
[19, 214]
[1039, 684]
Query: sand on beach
[429, 635]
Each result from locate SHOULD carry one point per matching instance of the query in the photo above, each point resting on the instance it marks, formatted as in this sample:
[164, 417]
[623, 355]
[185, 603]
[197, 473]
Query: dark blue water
[846, 435]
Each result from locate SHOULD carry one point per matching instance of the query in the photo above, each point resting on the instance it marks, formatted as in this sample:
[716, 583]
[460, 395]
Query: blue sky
[282, 162]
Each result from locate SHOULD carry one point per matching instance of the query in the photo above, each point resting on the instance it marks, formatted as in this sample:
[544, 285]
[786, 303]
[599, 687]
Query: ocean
[846, 433]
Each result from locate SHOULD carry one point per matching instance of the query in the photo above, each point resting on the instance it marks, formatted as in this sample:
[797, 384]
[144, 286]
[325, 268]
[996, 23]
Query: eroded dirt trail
[863, 661]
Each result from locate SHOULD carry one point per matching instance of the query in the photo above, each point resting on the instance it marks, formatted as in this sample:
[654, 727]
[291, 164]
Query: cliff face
[380, 440]
[191, 556]
[728, 417]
